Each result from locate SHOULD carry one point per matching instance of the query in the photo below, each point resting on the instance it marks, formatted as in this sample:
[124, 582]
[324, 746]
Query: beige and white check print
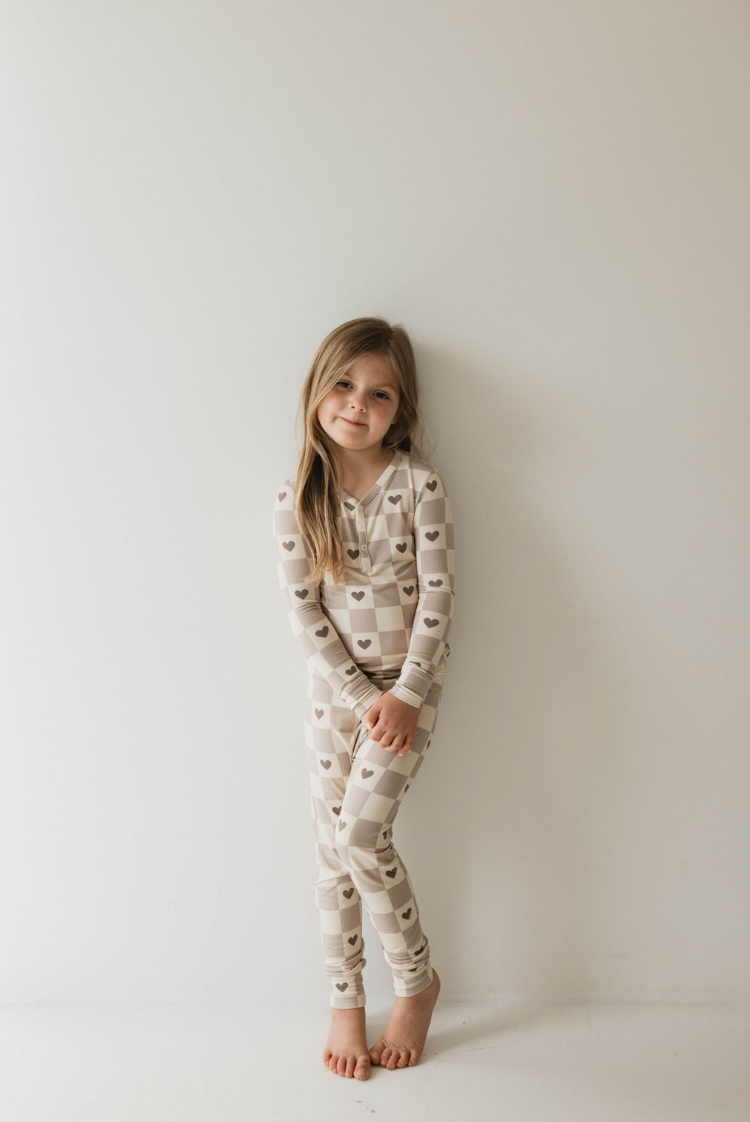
[395, 609]
[385, 628]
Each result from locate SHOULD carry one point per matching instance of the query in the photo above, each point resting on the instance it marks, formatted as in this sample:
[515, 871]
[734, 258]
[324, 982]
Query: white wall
[552, 198]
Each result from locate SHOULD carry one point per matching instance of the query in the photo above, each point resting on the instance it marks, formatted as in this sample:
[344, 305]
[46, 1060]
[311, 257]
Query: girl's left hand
[392, 723]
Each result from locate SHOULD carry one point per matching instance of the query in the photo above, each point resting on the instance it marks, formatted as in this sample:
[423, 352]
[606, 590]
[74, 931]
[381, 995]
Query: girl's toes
[351, 1063]
[362, 1069]
[403, 1059]
[376, 1052]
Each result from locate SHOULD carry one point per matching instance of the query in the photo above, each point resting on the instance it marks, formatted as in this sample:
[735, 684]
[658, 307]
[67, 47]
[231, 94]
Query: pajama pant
[356, 790]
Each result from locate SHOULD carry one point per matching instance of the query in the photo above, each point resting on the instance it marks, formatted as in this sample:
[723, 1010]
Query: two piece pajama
[385, 628]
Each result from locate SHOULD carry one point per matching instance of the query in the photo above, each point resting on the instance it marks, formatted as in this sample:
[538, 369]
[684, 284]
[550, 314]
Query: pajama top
[394, 611]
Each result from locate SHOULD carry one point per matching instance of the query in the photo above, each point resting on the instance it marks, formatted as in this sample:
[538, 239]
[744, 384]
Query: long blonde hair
[318, 475]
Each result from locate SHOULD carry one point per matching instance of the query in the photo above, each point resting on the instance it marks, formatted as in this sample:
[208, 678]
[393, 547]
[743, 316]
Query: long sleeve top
[394, 611]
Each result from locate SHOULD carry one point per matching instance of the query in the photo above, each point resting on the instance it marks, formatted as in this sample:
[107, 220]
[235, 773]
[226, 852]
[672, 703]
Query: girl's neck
[360, 465]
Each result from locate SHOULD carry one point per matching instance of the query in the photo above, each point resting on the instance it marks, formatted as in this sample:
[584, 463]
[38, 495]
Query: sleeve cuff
[361, 706]
[407, 695]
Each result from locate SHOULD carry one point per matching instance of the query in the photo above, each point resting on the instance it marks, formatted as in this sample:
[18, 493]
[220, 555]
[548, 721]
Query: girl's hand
[392, 723]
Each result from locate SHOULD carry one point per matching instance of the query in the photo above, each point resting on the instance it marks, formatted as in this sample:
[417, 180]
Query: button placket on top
[359, 512]
[364, 553]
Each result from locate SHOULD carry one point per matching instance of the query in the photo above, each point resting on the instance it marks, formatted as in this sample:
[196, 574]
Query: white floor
[550, 1063]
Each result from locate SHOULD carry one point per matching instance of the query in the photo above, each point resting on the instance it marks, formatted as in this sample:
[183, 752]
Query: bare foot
[403, 1041]
[346, 1052]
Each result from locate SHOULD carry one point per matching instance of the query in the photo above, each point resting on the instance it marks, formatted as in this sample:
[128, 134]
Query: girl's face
[366, 394]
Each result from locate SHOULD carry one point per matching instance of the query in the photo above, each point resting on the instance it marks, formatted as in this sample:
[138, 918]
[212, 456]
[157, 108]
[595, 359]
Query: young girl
[364, 548]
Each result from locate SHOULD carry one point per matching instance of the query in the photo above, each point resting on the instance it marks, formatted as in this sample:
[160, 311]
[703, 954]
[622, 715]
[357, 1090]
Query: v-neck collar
[380, 483]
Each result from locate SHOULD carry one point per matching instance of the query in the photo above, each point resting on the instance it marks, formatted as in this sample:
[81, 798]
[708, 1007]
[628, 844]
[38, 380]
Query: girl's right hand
[392, 723]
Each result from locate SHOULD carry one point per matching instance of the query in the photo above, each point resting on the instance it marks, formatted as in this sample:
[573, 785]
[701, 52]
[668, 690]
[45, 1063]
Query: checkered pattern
[357, 788]
[394, 611]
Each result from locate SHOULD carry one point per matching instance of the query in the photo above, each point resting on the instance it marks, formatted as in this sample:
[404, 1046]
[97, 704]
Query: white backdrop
[552, 198]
